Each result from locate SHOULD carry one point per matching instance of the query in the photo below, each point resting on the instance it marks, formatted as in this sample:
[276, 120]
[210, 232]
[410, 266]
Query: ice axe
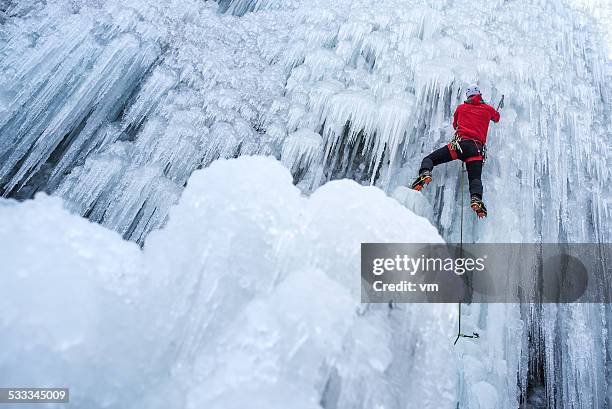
[501, 103]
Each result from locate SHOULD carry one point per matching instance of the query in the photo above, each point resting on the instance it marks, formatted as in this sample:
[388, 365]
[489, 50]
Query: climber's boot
[423, 179]
[478, 206]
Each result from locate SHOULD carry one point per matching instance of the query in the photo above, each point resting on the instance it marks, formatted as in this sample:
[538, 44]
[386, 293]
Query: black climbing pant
[471, 155]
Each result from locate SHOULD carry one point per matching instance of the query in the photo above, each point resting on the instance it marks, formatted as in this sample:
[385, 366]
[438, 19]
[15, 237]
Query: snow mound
[249, 297]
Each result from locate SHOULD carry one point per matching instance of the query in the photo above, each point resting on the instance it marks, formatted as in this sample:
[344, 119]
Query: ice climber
[471, 123]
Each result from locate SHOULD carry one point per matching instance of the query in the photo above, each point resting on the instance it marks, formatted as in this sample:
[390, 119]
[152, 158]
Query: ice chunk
[244, 243]
[414, 201]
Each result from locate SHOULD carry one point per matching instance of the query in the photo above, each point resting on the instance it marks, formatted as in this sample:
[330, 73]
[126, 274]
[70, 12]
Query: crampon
[423, 179]
[478, 207]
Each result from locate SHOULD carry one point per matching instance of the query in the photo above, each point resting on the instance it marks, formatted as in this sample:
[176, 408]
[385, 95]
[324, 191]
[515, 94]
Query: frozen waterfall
[113, 106]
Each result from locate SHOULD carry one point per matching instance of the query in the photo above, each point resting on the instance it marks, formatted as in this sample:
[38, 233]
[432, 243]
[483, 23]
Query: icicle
[300, 149]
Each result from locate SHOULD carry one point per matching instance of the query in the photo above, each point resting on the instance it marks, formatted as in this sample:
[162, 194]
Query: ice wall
[602, 11]
[246, 298]
[112, 105]
[129, 98]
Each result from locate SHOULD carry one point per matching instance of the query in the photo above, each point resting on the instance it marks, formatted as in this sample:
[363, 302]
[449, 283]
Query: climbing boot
[478, 206]
[423, 179]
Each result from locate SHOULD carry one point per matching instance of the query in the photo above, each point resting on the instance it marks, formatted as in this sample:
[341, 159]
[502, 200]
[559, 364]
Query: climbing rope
[461, 229]
[455, 143]
[459, 333]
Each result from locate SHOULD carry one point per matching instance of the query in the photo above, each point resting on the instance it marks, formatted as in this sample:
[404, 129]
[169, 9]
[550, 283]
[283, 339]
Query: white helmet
[472, 90]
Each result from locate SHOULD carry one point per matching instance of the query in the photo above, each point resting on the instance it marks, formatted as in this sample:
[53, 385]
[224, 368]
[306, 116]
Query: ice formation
[246, 298]
[112, 105]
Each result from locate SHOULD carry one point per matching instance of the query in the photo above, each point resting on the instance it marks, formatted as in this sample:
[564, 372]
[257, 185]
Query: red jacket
[472, 119]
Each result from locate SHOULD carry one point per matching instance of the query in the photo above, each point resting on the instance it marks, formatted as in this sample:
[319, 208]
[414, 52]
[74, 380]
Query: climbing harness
[459, 333]
[455, 146]
[454, 143]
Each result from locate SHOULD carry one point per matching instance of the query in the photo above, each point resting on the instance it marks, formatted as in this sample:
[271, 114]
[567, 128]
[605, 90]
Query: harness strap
[482, 152]
[473, 158]
[452, 151]
[454, 155]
